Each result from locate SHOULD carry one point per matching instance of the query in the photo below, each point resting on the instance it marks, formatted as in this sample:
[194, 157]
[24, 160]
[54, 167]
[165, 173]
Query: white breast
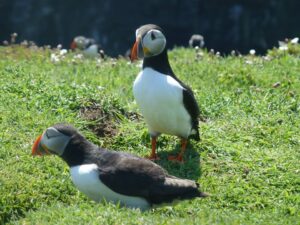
[160, 100]
[86, 179]
[91, 51]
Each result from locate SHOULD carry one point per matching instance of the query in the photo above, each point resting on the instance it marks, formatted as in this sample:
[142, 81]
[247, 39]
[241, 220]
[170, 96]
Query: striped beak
[137, 51]
[73, 45]
[134, 51]
[38, 149]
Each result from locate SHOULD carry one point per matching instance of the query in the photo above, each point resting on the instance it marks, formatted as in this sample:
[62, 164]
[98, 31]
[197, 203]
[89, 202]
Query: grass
[248, 159]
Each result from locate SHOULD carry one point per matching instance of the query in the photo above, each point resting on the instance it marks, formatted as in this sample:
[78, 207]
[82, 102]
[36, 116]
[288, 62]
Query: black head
[150, 42]
[63, 140]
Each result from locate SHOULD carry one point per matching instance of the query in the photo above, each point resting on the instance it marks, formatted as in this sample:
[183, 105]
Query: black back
[134, 176]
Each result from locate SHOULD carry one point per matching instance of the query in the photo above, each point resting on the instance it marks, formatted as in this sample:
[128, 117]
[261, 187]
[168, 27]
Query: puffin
[196, 40]
[113, 176]
[166, 103]
[88, 47]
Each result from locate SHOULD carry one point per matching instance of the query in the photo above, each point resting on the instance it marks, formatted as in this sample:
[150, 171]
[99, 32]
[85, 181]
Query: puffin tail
[175, 188]
[195, 134]
[195, 137]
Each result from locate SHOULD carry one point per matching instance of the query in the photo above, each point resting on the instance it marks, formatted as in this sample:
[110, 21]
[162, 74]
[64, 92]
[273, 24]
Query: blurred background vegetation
[226, 24]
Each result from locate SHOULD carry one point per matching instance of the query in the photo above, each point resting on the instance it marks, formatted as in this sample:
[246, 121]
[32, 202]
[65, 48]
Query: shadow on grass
[190, 169]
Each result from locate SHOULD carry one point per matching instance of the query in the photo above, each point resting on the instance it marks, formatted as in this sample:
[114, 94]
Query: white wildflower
[78, 56]
[252, 52]
[54, 58]
[24, 43]
[63, 52]
[199, 55]
[13, 37]
[139, 65]
[283, 48]
[267, 58]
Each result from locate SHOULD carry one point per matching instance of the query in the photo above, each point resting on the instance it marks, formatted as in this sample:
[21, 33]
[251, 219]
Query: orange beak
[35, 147]
[39, 150]
[134, 51]
[73, 45]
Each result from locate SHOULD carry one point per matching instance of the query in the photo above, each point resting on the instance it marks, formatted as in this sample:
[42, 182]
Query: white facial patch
[54, 141]
[154, 42]
[136, 32]
[81, 42]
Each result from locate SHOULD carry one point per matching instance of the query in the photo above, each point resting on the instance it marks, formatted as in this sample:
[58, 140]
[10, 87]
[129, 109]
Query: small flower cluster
[13, 38]
[283, 45]
[288, 46]
[58, 55]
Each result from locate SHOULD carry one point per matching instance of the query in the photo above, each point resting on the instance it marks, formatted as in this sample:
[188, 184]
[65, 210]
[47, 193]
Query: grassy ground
[248, 159]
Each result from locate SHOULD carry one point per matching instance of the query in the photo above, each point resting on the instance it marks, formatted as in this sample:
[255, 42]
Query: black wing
[192, 107]
[190, 104]
[130, 175]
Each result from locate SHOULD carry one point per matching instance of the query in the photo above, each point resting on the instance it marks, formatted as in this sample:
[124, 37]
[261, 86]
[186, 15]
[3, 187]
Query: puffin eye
[152, 36]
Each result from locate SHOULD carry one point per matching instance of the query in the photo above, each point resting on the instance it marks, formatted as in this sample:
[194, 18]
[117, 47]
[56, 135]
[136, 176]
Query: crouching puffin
[117, 177]
[88, 47]
[167, 104]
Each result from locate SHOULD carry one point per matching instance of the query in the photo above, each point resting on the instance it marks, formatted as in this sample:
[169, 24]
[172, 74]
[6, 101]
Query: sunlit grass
[248, 159]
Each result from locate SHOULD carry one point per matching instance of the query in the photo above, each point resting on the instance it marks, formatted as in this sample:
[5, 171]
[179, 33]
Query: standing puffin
[117, 177]
[88, 47]
[167, 104]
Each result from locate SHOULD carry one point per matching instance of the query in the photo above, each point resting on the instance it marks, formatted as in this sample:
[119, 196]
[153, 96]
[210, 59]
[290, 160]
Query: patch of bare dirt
[101, 123]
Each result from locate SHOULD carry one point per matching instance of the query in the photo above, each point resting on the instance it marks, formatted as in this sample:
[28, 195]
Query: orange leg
[153, 155]
[179, 157]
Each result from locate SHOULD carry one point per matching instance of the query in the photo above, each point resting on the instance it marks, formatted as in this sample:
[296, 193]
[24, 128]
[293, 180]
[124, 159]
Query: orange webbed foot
[177, 158]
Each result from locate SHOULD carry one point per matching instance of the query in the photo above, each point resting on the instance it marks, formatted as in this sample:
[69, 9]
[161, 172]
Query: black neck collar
[77, 151]
[159, 63]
